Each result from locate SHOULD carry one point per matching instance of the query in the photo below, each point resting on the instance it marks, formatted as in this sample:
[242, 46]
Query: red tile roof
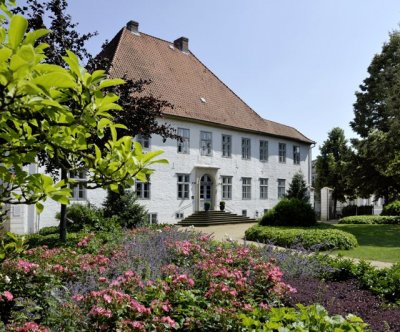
[181, 79]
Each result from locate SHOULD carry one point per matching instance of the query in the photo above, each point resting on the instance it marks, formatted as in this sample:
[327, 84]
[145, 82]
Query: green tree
[332, 165]
[56, 110]
[298, 188]
[377, 122]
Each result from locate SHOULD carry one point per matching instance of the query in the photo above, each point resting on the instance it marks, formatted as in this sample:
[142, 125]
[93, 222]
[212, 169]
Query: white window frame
[282, 152]
[206, 143]
[263, 150]
[246, 188]
[79, 190]
[152, 218]
[184, 145]
[144, 141]
[143, 189]
[263, 188]
[183, 186]
[226, 146]
[226, 187]
[246, 148]
[296, 154]
[281, 188]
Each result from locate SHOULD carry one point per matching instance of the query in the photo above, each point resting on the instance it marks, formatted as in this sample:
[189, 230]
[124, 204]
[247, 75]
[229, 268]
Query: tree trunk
[334, 207]
[63, 212]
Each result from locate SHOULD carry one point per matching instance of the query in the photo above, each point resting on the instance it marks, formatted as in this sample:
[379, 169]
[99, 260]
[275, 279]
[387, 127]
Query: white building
[229, 152]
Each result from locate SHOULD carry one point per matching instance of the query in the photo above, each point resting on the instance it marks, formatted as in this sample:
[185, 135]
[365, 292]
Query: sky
[297, 62]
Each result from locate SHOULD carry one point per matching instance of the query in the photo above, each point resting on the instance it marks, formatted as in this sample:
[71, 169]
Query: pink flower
[102, 279]
[99, 311]
[168, 320]
[107, 298]
[183, 278]
[26, 266]
[8, 296]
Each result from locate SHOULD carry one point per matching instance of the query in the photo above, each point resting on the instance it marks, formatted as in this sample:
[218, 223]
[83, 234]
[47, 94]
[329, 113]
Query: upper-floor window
[142, 189]
[226, 145]
[296, 155]
[184, 145]
[205, 143]
[183, 186]
[281, 188]
[246, 148]
[282, 152]
[144, 141]
[227, 187]
[246, 188]
[263, 188]
[264, 150]
[78, 188]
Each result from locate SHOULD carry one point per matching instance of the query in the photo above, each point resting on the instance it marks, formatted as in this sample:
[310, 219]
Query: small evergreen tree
[298, 188]
[125, 208]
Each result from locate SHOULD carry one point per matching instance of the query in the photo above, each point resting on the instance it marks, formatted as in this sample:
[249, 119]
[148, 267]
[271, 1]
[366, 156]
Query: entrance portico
[205, 186]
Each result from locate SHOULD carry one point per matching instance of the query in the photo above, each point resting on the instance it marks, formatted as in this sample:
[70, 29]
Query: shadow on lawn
[374, 235]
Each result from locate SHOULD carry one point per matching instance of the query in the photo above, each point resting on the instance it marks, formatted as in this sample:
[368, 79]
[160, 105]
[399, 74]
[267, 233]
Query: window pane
[183, 147]
[183, 186]
[282, 152]
[263, 150]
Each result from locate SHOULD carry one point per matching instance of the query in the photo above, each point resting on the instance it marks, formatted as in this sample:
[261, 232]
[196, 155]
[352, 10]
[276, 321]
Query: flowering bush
[150, 279]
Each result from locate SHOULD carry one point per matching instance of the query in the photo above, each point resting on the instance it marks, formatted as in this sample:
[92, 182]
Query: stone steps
[212, 218]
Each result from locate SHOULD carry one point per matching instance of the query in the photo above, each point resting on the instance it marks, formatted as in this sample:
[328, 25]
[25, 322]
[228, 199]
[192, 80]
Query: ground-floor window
[263, 188]
[152, 218]
[227, 187]
[183, 186]
[142, 189]
[246, 188]
[79, 188]
[281, 188]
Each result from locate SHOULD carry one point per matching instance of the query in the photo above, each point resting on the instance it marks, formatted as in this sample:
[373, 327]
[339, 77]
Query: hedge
[391, 209]
[321, 238]
[370, 220]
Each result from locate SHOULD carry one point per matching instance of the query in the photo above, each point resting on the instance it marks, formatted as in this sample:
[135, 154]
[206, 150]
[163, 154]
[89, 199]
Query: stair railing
[184, 207]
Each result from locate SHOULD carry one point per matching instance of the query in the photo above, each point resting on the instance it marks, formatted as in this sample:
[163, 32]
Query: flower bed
[145, 280]
[323, 238]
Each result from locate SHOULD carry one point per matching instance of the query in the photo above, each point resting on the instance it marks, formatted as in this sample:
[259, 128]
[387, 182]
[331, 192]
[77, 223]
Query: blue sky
[294, 62]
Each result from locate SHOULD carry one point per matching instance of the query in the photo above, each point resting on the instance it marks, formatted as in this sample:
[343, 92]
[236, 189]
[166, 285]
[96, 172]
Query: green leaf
[32, 36]
[18, 26]
[112, 82]
[39, 207]
[55, 79]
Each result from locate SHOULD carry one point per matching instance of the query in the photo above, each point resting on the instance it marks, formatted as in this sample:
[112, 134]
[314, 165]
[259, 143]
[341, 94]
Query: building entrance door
[205, 190]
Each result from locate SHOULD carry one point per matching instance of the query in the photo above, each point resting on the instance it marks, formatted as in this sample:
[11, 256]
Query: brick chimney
[182, 44]
[133, 27]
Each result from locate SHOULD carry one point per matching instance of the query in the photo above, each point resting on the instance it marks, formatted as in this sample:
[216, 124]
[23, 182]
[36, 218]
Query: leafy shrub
[391, 209]
[124, 208]
[302, 318]
[49, 230]
[322, 238]
[370, 220]
[51, 240]
[290, 212]
[354, 210]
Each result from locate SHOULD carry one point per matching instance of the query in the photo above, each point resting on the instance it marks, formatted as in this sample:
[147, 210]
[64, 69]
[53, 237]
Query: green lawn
[376, 242]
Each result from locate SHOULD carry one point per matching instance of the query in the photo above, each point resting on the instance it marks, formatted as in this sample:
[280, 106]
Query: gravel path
[236, 233]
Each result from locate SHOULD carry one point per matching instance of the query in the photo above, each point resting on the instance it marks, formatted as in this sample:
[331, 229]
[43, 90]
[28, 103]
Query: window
[152, 218]
[144, 141]
[296, 155]
[282, 152]
[226, 187]
[263, 150]
[183, 186]
[205, 143]
[226, 146]
[183, 147]
[246, 188]
[263, 188]
[246, 148]
[179, 215]
[244, 213]
[79, 188]
[142, 189]
[281, 188]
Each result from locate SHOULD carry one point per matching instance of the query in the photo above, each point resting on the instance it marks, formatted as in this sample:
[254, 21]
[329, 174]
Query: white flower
[7, 279]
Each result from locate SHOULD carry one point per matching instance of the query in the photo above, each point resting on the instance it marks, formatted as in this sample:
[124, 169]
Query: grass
[376, 242]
